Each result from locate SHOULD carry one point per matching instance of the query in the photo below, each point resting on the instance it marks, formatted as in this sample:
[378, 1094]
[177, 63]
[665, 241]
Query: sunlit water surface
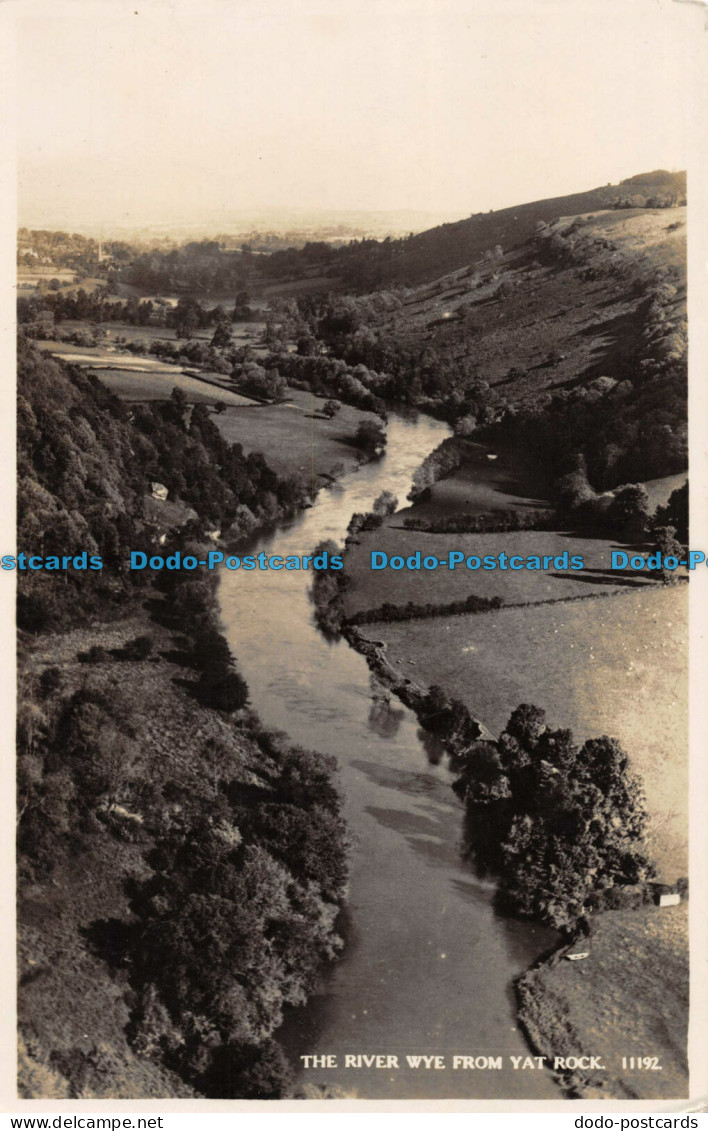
[429, 965]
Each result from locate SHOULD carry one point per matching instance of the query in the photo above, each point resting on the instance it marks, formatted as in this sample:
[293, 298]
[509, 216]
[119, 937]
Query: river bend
[429, 965]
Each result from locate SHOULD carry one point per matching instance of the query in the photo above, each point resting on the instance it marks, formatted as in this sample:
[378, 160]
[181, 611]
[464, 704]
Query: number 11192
[641, 1063]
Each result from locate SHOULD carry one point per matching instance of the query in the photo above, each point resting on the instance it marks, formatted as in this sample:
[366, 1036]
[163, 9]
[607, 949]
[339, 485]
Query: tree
[221, 338]
[675, 513]
[669, 547]
[330, 409]
[249, 1071]
[186, 324]
[526, 725]
[187, 317]
[559, 825]
[386, 503]
[629, 512]
[307, 345]
[370, 435]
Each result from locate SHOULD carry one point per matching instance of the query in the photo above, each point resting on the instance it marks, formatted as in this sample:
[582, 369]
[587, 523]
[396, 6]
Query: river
[429, 965]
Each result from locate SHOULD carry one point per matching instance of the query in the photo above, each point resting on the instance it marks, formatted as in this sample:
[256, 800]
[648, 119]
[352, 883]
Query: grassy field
[629, 998]
[136, 385]
[616, 665]
[294, 437]
[369, 588]
[507, 482]
[145, 378]
[242, 331]
[601, 651]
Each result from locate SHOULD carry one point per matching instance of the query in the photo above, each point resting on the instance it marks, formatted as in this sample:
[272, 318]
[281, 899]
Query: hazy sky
[175, 111]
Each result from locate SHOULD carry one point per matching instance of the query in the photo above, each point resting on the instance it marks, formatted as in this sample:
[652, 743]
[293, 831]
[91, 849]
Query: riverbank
[638, 960]
[627, 999]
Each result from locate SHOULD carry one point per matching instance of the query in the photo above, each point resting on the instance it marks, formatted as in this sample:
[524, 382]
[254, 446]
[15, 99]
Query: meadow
[489, 479]
[614, 665]
[294, 436]
[509, 481]
[139, 385]
[630, 994]
[368, 588]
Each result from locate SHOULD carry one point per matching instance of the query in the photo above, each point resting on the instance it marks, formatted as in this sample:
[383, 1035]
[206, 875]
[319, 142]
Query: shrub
[251, 1072]
[223, 690]
[49, 682]
[370, 435]
[96, 654]
[138, 649]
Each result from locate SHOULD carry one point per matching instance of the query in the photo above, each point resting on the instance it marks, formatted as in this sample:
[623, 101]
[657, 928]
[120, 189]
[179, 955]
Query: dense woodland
[559, 825]
[86, 461]
[240, 871]
[100, 305]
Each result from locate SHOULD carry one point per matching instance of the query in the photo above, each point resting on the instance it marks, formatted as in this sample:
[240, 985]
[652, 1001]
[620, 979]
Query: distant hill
[677, 181]
[437, 251]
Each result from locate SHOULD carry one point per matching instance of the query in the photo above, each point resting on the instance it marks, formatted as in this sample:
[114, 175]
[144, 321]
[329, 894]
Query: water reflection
[384, 719]
[432, 745]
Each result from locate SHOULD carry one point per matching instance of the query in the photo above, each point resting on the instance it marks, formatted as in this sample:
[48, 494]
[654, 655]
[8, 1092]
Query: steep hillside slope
[180, 868]
[450, 246]
[572, 346]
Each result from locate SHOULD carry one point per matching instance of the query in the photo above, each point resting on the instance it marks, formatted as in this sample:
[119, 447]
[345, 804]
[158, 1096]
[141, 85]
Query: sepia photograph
[352, 559]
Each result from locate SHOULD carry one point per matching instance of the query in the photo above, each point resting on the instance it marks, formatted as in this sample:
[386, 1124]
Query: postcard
[359, 367]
